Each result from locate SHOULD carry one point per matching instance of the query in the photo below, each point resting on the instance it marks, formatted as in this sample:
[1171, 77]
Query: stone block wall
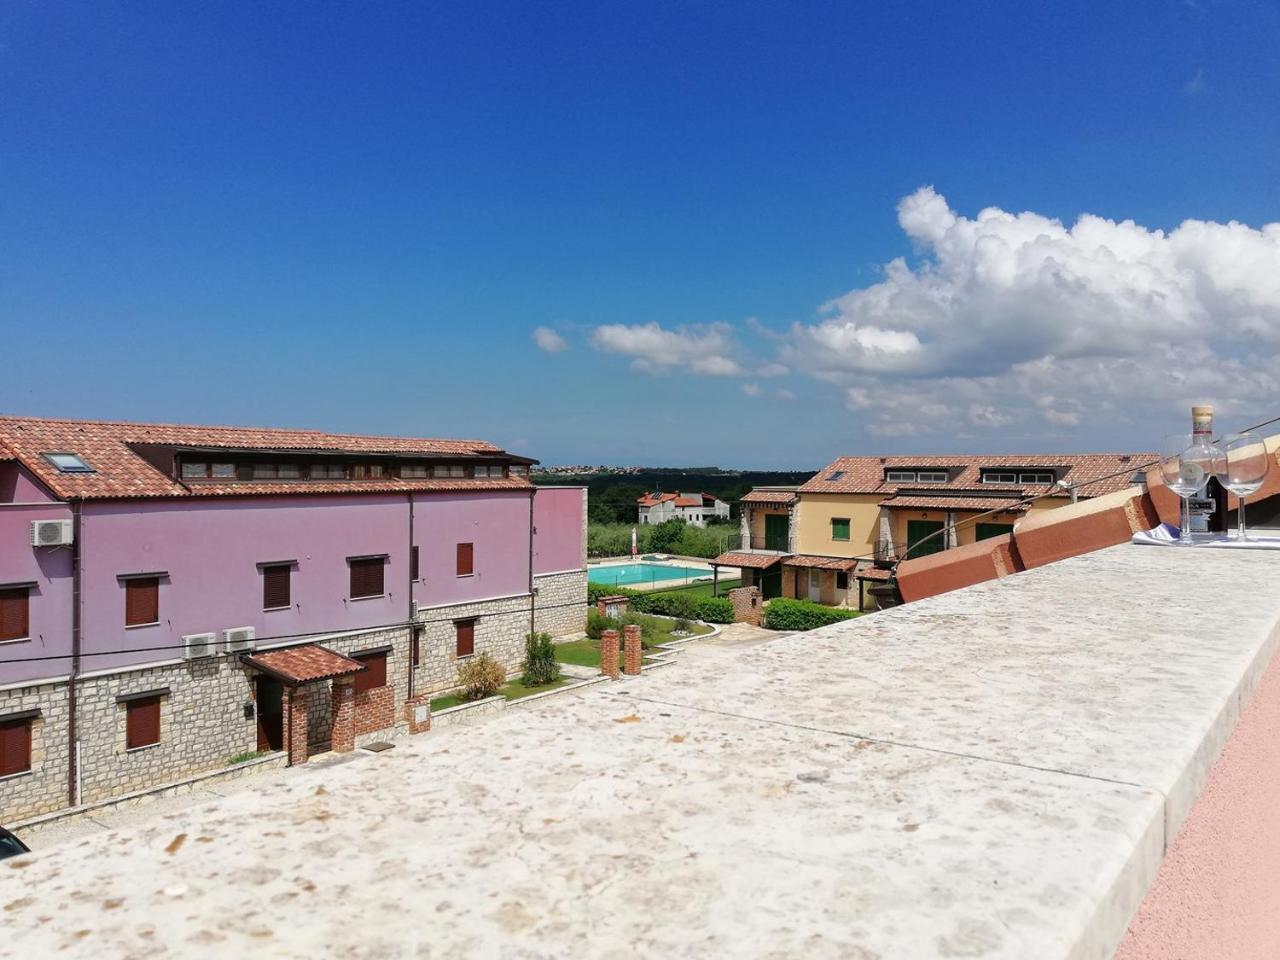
[202, 725]
[562, 602]
[501, 627]
[369, 721]
[44, 787]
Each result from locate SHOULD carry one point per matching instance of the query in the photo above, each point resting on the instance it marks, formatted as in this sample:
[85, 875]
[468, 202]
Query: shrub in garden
[681, 625]
[784, 613]
[540, 664]
[597, 623]
[481, 676]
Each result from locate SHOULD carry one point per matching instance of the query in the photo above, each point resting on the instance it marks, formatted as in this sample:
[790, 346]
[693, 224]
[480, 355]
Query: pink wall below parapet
[210, 552]
[557, 515]
[49, 601]
[497, 526]
[1217, 894]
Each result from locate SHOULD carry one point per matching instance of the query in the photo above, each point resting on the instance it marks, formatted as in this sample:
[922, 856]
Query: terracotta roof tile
[982, 504]
[769, 496]
[820, 563]
[304, 664]
[755, 561]
[120, 472]
[866, 474]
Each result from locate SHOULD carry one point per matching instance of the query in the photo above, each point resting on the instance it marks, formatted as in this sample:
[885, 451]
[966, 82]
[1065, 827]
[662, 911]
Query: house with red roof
[693, 508]
[830, 538]
[172, 596]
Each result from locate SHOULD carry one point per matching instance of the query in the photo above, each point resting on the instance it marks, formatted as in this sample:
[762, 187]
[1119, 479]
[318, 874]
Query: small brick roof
[120, 471]
[769, 496]
[873, 573]
[866, 474]
[820, 563]
[981, 504]
[304, 664]
[678, 498]
[756, 561]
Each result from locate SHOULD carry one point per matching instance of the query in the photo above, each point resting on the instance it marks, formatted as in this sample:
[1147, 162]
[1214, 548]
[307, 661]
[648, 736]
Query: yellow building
[822, 540]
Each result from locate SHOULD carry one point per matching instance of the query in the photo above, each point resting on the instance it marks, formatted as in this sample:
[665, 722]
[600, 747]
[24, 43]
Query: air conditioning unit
[196, 646]
[51, 533]
[238, 639]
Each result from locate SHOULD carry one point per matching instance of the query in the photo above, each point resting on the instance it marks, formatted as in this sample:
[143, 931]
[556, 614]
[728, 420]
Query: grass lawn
[512, 690]
[586, 652]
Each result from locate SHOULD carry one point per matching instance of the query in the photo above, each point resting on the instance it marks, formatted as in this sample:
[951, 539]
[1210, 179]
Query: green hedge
[785, 614]
[669, 604]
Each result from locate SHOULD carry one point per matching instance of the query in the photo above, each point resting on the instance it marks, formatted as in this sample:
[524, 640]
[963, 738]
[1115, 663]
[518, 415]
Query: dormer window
[68, 462]
[991, 476]
[199, 470]
[900, 476]
[519, 470]
[449, 471]
[931, 476]
[1024, 477]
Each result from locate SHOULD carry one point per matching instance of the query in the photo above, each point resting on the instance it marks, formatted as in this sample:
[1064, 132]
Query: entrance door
[771, 582]
[775, 531]
[815, 585]
[919, 543]
[270, 700]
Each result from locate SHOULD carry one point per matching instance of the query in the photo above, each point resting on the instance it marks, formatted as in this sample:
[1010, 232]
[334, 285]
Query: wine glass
[1184, 476]
[1244, 470]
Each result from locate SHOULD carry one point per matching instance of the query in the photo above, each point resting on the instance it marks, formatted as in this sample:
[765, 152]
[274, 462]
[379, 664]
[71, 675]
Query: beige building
[827, 539]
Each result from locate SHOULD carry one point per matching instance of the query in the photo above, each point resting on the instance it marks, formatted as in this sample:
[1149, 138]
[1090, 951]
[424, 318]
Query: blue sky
[355, 216]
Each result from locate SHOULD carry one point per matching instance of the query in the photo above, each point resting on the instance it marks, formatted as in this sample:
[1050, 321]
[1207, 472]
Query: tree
[666, 535]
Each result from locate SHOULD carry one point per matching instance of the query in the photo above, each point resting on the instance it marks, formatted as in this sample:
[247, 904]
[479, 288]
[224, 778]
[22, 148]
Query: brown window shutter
[374, 674]
[367, 576]
[413, 562]
[466, 559]
[141, 601]
[466, 637]
[14, 613]
[142, 722]
[275, 586]
[15, 746]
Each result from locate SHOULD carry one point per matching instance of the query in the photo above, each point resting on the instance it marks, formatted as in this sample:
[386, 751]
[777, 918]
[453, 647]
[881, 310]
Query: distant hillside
[612, 497]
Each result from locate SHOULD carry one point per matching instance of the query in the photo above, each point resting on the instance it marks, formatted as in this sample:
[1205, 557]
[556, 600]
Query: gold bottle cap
[1203, 410]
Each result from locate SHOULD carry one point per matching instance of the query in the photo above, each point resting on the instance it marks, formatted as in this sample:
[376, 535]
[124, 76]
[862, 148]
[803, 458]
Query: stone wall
[202, 725]
[501, 626]
[747, 607]
[44, 787]
[562, 602]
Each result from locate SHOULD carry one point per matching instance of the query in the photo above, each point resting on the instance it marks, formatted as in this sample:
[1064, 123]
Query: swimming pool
[629, 574]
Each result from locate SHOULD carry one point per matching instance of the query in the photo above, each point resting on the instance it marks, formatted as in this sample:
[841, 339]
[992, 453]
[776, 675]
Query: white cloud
[654, 349]
[1015, 321]
[751, 389]
[784, 394]
[773, 370]
[550, 341]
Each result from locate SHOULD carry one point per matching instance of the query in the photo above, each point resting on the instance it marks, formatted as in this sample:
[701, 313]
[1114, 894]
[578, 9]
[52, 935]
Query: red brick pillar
[631, 649]
[343, 733]
[297, 721]
[609, 653]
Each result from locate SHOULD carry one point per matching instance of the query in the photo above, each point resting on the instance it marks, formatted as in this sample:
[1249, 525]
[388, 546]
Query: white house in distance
[692, 508]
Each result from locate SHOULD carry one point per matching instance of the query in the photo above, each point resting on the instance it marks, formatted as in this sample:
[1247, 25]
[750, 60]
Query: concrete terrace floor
[991, 773]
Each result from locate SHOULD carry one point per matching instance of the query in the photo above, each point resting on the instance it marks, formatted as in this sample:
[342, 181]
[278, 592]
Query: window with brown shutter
[466, 630]
[141, 601]
[366, 576]
[14, 613]
[142, 722]
[275, 586]
[15, 746]
[374, 674]
[413, 562]
[466, 559]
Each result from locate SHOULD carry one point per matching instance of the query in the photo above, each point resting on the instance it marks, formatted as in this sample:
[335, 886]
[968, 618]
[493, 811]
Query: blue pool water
[627, 574]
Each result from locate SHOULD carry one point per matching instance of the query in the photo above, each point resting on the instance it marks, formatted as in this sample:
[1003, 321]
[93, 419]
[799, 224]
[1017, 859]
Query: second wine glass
[1243, 471]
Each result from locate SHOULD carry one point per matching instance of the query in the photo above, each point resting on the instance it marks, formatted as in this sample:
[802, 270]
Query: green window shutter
[839, 528]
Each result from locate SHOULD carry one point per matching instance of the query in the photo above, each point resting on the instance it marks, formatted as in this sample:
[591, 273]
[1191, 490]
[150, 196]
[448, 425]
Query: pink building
[172, 597]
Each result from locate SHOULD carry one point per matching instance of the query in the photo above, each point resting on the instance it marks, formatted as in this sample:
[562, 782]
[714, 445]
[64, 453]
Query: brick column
[746, 605]
[343, 733]
[417, 713]
[631, 649]
[296, 718]
[609, 653]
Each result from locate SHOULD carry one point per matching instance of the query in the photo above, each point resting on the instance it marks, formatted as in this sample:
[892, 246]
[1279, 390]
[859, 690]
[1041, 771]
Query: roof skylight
[68, 462]
[836, 476]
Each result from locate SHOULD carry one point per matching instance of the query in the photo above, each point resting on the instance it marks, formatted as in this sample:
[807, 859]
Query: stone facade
[44, 787]
[562, 602]
[373, 717]
[500, 630]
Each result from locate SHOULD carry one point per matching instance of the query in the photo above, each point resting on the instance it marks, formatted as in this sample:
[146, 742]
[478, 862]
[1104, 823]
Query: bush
[666, 604]
[786, 614]
[681, 625]
[540, 664]
[597, 623]
[481, 676]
